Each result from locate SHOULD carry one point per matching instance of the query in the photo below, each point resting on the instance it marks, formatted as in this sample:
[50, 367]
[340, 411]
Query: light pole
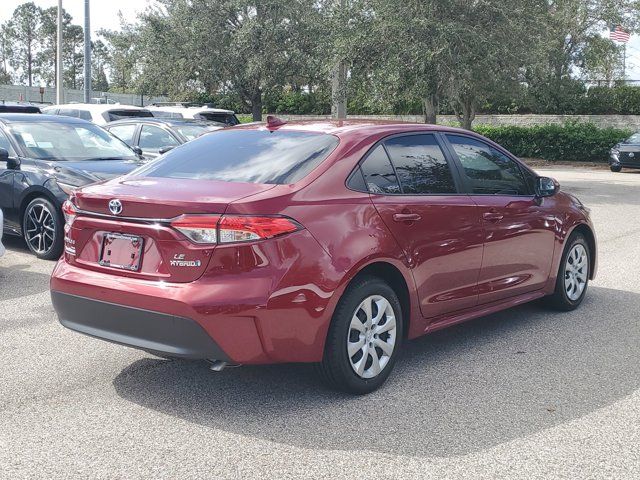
[87, 54]
[59, 91]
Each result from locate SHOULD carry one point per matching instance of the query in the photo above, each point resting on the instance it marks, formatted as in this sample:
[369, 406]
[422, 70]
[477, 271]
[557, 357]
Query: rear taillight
[198, 228]
[69, 211]
[209, 229]
[242, 229]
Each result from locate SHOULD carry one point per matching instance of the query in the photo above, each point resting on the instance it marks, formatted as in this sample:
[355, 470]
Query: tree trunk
[339, 91]
[468, 112]
[256, 106]
[430, 105]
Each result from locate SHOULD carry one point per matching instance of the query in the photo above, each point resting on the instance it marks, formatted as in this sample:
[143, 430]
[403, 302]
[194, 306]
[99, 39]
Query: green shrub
[570, 142]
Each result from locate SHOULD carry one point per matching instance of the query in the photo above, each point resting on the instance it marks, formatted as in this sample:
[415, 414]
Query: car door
[7, 177]
[519, 229]
[416, 193]
[153, 139]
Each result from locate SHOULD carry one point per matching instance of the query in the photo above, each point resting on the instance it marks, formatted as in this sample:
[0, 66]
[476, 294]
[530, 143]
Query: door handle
[493, 216]
[406, 217]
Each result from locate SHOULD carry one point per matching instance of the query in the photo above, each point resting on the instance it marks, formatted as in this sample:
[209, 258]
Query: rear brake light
[242, 229]
[69, 211]
[198, 228]
[210, 229]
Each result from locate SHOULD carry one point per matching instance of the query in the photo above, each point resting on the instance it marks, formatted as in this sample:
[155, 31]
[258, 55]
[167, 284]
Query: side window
[420, 165]
[379, 175]
[154, 138]
[68, 112]
[488, 171]
[124, 133]
[85, 115]
[4, 143]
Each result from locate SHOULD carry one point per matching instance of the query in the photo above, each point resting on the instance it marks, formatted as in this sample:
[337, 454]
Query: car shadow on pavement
[457, 391]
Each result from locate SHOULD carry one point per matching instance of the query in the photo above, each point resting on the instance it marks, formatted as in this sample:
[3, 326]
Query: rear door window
[420, 165]
[154, 138]
[256, 156]
[379, 175]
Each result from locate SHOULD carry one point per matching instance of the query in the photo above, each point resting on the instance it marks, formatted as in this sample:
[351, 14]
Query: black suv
[42, 159]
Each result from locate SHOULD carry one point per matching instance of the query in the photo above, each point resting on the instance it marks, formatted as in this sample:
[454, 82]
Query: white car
[198, 112]
[1, 228]
[100, 114]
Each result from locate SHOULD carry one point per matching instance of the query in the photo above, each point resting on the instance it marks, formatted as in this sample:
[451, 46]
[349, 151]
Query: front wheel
[616, 168]
[43, 229]
[364, 338]
[573, 274]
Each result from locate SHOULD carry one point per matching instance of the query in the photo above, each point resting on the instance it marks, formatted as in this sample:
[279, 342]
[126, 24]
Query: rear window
[226, 118]
[256, 156]
[112, 115]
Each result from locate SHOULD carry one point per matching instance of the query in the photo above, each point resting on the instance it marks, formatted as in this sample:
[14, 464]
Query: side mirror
[165, 149]
[137, 151]
[13, 163]
[546, 187]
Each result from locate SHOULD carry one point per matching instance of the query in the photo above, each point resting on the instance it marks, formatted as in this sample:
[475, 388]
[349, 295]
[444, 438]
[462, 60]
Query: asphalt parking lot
[526, 393]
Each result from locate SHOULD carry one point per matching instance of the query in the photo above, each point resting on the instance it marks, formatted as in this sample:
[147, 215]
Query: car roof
[345, 127]
[30, 117]
[97, 107]
[164, 121]
[178, 109]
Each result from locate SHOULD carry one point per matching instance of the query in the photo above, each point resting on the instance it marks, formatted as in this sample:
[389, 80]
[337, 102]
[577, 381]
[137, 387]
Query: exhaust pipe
[219, 365]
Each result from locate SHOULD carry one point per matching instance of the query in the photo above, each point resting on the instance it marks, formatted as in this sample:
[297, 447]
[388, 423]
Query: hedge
[570, 142]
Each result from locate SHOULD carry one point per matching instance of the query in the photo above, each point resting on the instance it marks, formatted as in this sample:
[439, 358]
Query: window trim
[458, 182]
[465, 183]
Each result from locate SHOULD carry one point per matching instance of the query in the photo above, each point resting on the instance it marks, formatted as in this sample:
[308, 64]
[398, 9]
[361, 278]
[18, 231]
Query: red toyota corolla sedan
[327, 242]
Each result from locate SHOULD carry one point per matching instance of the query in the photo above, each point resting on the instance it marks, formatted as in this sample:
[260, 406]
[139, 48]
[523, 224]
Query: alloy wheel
[576, 272]
[372, 336]
[40, 228]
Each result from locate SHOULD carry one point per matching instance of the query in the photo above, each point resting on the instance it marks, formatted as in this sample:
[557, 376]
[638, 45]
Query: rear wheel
[616, 168]
[573, 275]
[364, 338]
[42, 228]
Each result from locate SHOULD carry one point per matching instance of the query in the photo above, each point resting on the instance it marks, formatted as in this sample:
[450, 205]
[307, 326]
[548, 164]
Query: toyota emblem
[115, 206]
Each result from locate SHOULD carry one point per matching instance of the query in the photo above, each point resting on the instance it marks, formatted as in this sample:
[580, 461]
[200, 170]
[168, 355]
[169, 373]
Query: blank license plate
[121, 251]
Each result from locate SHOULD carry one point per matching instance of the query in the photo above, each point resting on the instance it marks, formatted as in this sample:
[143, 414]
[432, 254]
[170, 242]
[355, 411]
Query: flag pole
[624, 62]
[59, 91]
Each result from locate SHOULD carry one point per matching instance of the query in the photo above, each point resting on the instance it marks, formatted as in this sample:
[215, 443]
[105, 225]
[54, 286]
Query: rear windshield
[112, 115]
[256, 156]
[226, 118]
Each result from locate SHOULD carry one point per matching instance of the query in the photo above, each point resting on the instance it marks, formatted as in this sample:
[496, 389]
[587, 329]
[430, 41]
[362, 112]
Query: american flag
[618, 34]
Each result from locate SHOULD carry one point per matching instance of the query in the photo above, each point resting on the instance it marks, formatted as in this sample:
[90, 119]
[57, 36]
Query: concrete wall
[617, 121]
[15, 93]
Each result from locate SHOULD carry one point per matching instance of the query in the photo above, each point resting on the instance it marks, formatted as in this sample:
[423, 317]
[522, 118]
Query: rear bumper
[152, 331]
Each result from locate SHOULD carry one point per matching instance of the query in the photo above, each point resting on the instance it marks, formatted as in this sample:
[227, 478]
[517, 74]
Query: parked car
[195, 111]
[1, 222]
[100, 114]
[155, 136]
[42, 159]
[328, 242]
[18, 107]
[625, 154]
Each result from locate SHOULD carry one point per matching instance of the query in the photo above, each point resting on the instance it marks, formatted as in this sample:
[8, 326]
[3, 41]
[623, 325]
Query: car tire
[616, 168]
[573, 275]
[43, 229]
[377, 336]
